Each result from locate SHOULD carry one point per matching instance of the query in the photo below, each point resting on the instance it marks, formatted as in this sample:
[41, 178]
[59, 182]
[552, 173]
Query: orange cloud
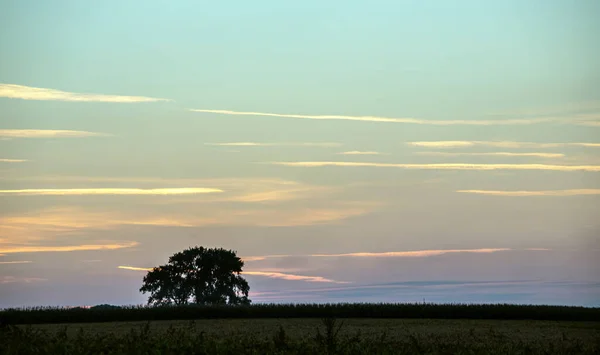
[291, 277]
[415, 253]
[111, 191]
[15, 262]
[65, 248]
[133, 268]
[46, 133]
[13, 160]
[14, 91]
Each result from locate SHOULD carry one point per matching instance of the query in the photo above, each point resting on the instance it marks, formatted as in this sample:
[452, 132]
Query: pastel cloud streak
[383, 119]
[573, 192]
[64, 248]
[112, 191]
[270, 274]
[13, 91]
[15, 262]
[497, 144]
[46, 133]
[358, 152]
[289, 144]
[395, 254]
[45, 223]
[494, 154]
[416, 253]
[12, 279]
[442, 166]
[291, 277]
[13, 160]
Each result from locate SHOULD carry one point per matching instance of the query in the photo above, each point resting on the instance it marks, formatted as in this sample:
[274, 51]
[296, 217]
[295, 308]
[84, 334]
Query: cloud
[574, 192]
[415, 253]
[13, 91]
[111, 191]
[15, 262]
[46, 223]
[289, 144]
[245, 190]
[497, 144]
[133, 268]
[270, 274]
[46, 133]
[395, 254]
[291, 277]
[495, 154]
[64, 248]
[442, 166]
[383, 119]
[13, 160]
[12, 279]
[356, 152]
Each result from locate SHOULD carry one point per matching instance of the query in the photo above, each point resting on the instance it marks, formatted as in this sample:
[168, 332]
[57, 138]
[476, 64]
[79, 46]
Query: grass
[306, 336]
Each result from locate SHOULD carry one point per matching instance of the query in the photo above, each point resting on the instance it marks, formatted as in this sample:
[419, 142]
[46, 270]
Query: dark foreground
[306, 336]
[339, 310]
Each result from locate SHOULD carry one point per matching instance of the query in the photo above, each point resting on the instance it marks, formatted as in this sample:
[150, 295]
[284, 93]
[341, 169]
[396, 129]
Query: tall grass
[40, 315]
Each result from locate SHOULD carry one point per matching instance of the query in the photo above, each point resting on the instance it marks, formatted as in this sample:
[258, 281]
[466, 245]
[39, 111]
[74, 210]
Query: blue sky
[372, 144]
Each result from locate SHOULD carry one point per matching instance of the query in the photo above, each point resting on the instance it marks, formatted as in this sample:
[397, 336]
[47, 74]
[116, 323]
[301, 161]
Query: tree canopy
[198, 275]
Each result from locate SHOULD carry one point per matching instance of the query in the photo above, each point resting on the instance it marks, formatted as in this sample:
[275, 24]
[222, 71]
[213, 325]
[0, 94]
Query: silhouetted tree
[198, 275]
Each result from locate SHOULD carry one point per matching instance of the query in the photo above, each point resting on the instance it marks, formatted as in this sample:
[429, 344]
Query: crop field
[303, 329]
[306, 336]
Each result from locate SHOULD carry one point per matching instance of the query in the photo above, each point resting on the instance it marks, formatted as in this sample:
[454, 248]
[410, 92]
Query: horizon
[348, 152]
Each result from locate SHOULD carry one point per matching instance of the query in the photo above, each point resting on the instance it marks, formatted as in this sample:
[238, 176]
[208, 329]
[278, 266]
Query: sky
[348, 151]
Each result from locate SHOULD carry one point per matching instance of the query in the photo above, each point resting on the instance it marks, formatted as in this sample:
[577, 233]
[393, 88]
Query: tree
[199, 275]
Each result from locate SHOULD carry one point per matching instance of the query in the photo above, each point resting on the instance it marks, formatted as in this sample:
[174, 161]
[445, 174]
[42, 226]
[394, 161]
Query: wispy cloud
[13, 91]
[573, 192]
[497, 144]
[393, 254]
[12, 279]
[134, 268]
[415, 253]
[112, 191]
[45, 223]
[383, 119]
[247, 190]
[270, 274]
[64, 248]
[442, 166]
[13, 160]
[493, 154]
[15, 262]
[358, 152]
[291, 277]
[46, 133]
[289, 144]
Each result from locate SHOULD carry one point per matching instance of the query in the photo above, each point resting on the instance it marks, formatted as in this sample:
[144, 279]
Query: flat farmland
[311, 335]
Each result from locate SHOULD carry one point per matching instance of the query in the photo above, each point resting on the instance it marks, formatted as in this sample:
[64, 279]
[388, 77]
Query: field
[301, 335]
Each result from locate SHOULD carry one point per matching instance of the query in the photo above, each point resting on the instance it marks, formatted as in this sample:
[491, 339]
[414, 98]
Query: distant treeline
[107, 313]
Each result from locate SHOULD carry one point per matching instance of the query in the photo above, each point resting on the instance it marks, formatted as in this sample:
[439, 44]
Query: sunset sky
[368, 151]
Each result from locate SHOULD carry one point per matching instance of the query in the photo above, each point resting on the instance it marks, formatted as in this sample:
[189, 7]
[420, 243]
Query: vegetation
[340, 310]
[306, 336]
[199, 275]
